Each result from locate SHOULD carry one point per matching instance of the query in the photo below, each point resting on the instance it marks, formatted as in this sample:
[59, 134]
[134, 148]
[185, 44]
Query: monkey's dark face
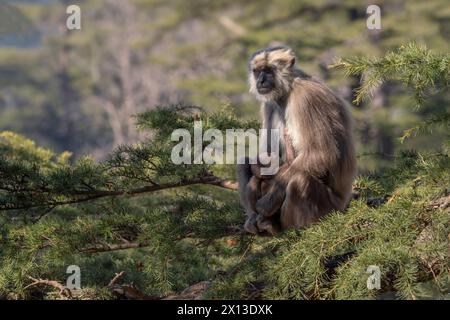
[265, 79]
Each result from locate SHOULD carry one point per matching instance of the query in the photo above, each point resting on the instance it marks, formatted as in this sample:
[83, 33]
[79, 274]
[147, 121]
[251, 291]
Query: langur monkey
[317, 156]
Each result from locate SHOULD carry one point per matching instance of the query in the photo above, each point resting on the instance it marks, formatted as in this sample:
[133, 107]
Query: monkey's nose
[263, 83]
[262, 79]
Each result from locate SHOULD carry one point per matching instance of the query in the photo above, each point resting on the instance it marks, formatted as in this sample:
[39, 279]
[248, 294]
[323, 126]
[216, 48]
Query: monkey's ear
[291, 62]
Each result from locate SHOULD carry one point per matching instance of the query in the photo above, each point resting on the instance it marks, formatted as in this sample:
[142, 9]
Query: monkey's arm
[289, 158]
[256, 170]
[290, 153]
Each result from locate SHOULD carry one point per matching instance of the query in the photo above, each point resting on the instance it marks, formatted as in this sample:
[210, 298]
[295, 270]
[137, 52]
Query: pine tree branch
[126, 291]
[106, 247]
[97, 194]
[412, 64]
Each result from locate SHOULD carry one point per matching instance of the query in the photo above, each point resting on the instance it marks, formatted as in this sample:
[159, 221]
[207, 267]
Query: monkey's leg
[273, 199]
[269, 220]
[252, 194]
[307, 200]
[249, 192]
[270, 225]
[257, 223]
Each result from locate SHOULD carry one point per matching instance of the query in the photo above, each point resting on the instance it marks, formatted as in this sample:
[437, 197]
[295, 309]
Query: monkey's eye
[268, 71]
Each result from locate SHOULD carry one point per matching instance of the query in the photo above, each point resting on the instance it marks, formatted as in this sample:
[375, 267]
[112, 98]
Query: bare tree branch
[112, 247]
[63, 290]
[116, 277]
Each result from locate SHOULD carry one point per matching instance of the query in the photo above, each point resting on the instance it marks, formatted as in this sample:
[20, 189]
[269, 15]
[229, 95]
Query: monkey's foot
[266, 225]
[250, 225]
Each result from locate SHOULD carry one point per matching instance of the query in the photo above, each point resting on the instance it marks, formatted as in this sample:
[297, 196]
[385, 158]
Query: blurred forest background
[78, 90]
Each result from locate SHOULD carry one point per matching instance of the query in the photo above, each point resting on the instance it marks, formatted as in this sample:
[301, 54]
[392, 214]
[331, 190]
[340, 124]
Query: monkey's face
[270, 72]
[264, 78]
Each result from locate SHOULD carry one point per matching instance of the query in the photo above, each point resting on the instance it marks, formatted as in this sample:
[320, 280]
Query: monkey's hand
[256, 167]
[271, 202]
[256, 171]
[250, 224]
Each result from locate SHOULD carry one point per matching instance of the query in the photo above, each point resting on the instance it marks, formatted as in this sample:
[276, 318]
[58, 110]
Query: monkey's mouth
[263, 90]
